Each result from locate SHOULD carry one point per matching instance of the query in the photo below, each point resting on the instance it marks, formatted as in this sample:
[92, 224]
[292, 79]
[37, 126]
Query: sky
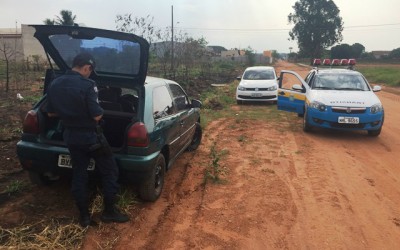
[258, 24]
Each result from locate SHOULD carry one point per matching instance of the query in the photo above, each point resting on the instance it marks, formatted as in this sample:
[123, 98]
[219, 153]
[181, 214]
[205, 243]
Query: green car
[147, 121]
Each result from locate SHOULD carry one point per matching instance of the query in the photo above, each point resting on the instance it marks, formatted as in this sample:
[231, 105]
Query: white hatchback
[258, 83]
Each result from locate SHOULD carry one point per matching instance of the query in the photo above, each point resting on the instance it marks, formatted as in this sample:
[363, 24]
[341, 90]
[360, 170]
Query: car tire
[375, 132]
[196, 140]
[39, 179]
[150, 189]
[306, 126]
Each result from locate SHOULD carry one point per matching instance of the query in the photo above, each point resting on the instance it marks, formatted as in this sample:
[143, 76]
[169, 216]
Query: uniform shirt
[74, 98]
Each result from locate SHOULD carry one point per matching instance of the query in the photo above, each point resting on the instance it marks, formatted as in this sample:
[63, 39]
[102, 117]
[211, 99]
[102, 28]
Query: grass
[386, 74]
[15, 186]
[43, 235]
[214, 171]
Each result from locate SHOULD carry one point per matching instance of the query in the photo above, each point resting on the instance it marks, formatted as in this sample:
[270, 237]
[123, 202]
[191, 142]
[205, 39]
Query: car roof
[321, 71]
[260, 68]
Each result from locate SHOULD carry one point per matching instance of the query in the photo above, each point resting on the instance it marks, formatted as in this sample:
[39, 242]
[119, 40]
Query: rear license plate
[349, 120]
[256, 94]
[64, 161]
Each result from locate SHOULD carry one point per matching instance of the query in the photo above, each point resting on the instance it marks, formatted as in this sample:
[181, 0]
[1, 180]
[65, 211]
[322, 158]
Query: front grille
[256, 98]
[345, 125]
[348, 110]
[258, 89]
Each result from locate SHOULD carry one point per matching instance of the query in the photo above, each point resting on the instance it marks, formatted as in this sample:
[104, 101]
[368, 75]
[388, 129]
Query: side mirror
[239, 78]
[196, 103]
[376, 88]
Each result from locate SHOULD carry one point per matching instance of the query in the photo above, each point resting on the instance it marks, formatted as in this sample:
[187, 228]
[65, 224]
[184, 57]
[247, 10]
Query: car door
[167, 122]
[292, 91]
[186, 113]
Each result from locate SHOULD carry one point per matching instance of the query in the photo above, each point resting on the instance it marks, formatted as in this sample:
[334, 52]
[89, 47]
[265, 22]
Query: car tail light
[31, 123]
[138, 136]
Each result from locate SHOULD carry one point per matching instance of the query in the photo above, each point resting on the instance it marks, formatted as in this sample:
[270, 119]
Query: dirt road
[284, 189]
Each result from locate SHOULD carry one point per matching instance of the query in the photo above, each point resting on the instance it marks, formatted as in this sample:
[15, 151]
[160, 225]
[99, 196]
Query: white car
[258, 83]
[339, 99]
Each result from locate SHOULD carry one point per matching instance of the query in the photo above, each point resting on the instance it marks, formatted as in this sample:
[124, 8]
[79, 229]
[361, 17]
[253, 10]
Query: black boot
[85, 219]
[112, 214]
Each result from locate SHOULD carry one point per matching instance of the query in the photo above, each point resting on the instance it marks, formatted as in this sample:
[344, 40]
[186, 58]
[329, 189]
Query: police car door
[291, 92]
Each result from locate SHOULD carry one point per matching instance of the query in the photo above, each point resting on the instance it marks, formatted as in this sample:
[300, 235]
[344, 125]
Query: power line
[278, 29]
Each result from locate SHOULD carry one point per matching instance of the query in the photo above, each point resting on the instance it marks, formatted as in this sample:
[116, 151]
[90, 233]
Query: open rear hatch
[120, 57]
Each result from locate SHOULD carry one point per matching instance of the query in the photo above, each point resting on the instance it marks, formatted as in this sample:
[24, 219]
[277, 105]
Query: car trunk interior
[114, 125]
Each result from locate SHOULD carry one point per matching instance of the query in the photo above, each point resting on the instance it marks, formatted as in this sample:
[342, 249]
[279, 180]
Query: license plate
[64, 161]
[349, 120]
[256, 94]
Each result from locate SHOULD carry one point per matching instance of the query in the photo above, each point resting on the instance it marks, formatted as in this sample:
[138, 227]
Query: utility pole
[172, 41]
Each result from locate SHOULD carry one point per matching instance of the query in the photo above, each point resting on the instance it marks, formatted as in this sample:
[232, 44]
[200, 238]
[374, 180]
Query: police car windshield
[259, 75]
[351, 82]
[111, 55]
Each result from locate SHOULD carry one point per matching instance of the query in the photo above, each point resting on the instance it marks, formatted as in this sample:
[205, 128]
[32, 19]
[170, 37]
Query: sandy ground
[284, 189]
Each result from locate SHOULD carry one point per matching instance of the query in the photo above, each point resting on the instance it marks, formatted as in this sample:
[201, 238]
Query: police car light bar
[334, 62]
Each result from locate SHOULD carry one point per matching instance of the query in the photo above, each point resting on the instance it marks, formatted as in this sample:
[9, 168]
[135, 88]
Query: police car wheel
[375, 132]
[306, 126]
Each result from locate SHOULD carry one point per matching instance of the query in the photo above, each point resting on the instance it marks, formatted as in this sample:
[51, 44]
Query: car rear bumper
[43, 158]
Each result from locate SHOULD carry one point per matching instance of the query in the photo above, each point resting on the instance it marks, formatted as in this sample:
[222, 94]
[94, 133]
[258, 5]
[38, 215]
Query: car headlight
[272, 88]
[241, 88]
[318, 105]
[376, 108]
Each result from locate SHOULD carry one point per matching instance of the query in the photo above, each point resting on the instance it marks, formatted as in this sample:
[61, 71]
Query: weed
[127, 199]
[214, 171]
[15, 187]
[268, 170]
[242, 138]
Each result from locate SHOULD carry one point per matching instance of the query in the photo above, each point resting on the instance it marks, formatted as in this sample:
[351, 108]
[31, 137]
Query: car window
[180, 99]
[309, 77]
[259, 75]
[162, 102]
[340, 82]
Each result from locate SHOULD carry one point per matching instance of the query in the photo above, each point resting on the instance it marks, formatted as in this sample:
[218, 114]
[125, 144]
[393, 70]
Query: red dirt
[284, 189]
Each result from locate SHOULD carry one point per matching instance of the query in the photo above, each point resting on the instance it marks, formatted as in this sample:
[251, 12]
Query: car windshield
[340, 82]
[259, 75]
[111, 55]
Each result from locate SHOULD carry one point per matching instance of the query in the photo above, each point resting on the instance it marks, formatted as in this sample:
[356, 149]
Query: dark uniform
[74, 99]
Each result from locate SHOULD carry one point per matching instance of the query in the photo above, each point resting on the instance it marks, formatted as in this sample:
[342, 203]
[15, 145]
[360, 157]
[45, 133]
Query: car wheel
[306, 126]
[375, 132]
[150, 189]
[39, 179]
[198, 134]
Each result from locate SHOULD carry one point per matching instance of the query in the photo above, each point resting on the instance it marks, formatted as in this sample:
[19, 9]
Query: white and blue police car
[333, 98]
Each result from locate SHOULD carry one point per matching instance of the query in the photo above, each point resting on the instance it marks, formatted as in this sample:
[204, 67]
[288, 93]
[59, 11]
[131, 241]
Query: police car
[333, 98]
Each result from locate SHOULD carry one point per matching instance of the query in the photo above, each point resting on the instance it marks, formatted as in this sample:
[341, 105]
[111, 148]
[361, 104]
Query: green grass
[385, 74]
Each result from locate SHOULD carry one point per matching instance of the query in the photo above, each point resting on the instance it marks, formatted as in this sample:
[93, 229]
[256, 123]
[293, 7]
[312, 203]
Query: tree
[317, 26]
[141, 26]
[65, 18]
[251, 56]
[357, 50]
[7, 53]
[395, 54]
[346, 51]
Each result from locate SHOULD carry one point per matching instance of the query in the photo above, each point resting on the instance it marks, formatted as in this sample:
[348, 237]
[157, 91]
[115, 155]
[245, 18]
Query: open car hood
[117, 54]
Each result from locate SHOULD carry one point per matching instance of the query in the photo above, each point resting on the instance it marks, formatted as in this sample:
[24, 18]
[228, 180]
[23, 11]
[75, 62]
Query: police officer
[73, 97]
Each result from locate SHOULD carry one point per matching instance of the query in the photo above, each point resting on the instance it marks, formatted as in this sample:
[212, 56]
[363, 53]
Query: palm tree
[65, 18]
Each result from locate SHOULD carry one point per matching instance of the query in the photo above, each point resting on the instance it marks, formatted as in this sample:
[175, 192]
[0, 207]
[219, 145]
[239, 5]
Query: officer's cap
[83, 59]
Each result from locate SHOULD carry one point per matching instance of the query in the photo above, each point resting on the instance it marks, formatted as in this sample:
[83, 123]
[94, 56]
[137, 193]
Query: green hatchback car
[147, 121]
